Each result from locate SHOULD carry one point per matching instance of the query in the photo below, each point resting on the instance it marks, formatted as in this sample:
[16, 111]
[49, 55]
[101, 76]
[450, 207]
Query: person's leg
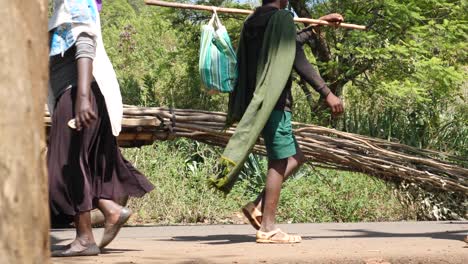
[268, 233]
[293, 164]
[117, 177]
[68, 183]
[116, 216]
[281, 145]
[84, 244]
[274, 181]
[97, 215]
[110, 209]
[84, 231]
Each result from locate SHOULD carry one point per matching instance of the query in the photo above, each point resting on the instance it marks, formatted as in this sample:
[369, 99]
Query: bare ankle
[85, 240]
[112, 212]
[109, 208]
[267, 228]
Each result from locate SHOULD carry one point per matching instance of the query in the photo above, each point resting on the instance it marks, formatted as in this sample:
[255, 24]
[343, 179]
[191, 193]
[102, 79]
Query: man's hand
[84, 113]
[333, 18]
[334, 103]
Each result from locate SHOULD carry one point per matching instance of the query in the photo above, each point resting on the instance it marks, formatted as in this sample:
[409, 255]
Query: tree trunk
[24, 224]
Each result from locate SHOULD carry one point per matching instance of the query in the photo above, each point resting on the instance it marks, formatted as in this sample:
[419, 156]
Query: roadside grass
[180, 169]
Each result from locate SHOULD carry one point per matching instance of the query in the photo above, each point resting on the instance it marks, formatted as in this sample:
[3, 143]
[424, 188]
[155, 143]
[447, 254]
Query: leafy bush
[182, 194]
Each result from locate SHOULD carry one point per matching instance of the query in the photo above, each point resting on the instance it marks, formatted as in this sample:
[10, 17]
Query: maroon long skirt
[85, 166]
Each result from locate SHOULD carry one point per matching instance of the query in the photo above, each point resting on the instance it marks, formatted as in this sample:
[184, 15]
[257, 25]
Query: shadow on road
[448, 235]
[55, 245]
[117, 250]
[214, 239]
[362, 233]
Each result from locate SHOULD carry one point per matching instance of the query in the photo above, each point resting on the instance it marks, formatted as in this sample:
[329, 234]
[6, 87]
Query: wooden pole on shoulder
[247, 12]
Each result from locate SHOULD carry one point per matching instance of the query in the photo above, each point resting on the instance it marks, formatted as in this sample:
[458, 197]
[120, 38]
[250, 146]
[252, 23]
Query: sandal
[252, 213]
[269, 237]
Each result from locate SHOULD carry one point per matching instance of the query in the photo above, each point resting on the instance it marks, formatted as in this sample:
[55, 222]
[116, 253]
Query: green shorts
[279, 139]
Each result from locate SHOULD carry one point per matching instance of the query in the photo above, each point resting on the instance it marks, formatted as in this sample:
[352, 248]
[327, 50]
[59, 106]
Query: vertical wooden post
[24, 210]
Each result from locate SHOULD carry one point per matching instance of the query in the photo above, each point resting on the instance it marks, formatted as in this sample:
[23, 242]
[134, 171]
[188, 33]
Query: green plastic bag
[218, 61]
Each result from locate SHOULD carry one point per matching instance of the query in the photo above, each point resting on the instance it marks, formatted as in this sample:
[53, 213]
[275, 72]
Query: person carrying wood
[268, 51]
[86, 169]
[253, 210]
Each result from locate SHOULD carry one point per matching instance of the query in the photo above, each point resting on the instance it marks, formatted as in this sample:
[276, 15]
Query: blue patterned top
[79, 12]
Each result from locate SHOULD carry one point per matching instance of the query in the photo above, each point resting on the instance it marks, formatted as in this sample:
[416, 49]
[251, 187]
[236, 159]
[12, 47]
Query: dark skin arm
[84, 113]
[332, 100]
[311, 76]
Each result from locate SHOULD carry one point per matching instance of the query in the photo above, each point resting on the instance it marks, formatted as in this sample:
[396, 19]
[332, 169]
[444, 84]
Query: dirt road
[396, 242]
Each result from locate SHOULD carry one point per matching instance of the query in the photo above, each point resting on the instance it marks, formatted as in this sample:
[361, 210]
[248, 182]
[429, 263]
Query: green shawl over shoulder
[274, 68]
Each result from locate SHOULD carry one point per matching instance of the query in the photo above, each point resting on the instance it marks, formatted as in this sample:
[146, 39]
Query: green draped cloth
[274, 68]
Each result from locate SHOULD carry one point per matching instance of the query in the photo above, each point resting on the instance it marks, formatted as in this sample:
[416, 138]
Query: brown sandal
[269, 237]
[252, 213]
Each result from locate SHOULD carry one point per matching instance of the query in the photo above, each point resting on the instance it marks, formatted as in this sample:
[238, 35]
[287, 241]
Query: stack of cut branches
[323, 147]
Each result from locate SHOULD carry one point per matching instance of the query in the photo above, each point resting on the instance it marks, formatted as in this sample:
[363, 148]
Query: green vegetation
[182, 194]
[402, 80]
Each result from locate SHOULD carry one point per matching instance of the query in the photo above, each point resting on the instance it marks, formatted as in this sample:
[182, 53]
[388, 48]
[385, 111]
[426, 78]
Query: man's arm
[308, 72]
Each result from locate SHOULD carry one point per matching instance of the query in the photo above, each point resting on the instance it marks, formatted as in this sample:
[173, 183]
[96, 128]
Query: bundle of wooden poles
[323, 147]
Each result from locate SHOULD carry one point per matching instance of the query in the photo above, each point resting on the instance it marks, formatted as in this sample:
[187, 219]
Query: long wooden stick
[247, 12]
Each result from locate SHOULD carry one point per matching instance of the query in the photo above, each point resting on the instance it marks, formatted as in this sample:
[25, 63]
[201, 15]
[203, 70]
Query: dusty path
[399, 242]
